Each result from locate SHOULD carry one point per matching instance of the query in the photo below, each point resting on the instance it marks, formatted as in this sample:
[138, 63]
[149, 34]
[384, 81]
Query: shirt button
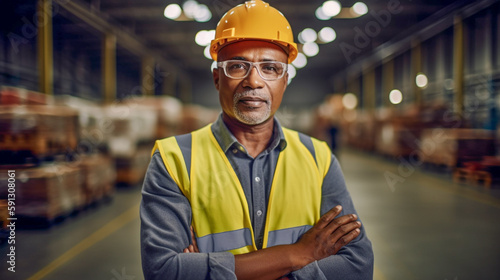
[235, 151]
[241, 148]
[257, 179]
[259, 213]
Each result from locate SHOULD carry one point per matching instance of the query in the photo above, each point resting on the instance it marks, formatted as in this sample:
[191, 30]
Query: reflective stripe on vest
[221, 217]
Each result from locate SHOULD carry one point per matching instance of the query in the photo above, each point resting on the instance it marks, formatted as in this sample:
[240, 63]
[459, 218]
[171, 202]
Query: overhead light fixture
[421, 80]
[206, 52]
[327, 35]
[300, 61]
[172, 11]
[292, 72]
[396, 96]
[360, 8]
[307, 35]
[331, 8]
[310, 49]
[191, 10]
[204, 37]
[320, 14]
[350, 101]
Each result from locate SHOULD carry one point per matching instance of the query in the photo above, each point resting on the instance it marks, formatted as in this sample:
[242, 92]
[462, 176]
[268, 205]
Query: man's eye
[270, 67]
[237, 66]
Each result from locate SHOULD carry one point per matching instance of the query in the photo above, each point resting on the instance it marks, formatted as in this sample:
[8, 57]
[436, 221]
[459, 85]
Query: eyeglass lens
[268, 70]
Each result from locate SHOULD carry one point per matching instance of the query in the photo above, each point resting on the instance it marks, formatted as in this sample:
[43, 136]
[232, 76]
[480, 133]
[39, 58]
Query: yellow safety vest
[221, 217]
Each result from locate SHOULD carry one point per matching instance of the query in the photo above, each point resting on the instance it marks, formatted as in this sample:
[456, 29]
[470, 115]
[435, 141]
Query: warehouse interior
[405, 92]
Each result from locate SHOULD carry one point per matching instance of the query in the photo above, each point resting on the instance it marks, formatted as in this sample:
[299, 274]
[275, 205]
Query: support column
[388, 78]
[369, 89]
[416, 63]
[354, 87]
[45, 47]
[148, 76]
[109, 68]
[458, 66]
[170, 84]
[185, 90]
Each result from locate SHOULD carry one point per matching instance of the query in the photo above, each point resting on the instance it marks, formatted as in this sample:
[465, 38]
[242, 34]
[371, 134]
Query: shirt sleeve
[165, 232]
[353, 261]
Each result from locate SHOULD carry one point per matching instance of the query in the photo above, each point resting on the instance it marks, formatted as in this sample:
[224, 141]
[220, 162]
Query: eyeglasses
[239, 69]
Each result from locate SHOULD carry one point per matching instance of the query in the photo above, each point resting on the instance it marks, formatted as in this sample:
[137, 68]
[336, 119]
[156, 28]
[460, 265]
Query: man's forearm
[270, 263]
[324, 239]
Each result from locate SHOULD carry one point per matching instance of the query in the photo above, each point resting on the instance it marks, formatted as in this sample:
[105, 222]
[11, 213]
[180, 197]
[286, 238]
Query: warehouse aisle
[425, 227]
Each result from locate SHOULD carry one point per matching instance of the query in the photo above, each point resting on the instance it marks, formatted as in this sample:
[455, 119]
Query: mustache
[253, 93]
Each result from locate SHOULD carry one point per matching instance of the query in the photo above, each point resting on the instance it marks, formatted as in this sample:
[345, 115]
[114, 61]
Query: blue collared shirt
[166, 215]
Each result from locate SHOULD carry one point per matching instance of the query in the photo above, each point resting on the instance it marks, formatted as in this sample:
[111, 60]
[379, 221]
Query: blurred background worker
[242, 197]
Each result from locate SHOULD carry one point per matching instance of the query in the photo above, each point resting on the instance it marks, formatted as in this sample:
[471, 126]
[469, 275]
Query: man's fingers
[329, 216]
[344, 229]
[193, 241]
[344, 240]
[340, 221]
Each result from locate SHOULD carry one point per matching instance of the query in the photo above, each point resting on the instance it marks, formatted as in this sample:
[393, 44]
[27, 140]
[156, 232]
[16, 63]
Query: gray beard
[252, 118]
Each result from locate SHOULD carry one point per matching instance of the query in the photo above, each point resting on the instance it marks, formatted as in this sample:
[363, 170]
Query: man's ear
[215, 75]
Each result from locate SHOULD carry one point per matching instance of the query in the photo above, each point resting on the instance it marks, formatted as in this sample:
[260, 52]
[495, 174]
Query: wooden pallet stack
[131, 138]
[452, 147]
[49, 192]
[34, 132]
[42, 143]
[99, 177]
[4, 215]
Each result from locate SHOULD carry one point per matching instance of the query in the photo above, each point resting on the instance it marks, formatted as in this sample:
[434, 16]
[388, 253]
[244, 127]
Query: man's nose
[253, 80]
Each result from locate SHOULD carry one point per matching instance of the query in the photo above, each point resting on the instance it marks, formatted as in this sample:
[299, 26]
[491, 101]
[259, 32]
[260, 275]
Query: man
[243, 197]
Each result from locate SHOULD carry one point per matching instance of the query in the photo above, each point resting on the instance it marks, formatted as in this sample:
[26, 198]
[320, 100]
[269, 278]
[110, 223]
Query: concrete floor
[422, 226]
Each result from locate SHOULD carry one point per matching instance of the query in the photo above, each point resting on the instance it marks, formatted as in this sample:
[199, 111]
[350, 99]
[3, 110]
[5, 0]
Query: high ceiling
[175, 39]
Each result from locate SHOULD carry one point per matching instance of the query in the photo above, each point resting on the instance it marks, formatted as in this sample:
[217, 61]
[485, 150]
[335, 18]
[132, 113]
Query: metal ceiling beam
[101, 22]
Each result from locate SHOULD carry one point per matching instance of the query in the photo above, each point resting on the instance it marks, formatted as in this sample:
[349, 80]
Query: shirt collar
[227, 140]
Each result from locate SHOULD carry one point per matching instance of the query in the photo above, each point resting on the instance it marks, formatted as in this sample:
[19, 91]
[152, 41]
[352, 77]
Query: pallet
[474, 177]
[39, 130]
[47, 192]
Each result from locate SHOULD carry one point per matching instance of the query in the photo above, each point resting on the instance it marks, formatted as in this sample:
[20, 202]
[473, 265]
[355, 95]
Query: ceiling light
[300, 61]
[172, 11]
[308, 35]
[203, 13]
[310, 49]
[360, 8]
[204, 37]
[350, 101]
[206, 52]
[331, 8]
[396, 96]
[421, 80]
[190, 8]
[327, 35]
[320, 14]
[292, 72]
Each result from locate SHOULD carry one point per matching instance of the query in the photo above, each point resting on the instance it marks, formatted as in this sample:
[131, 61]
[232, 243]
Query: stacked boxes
[454, 146]
[49, 192]
[55, 174]
[36, 132]
[99, 177]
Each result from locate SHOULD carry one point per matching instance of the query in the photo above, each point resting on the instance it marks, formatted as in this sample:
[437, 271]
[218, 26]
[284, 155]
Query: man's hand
[193, 248]
[327, 236]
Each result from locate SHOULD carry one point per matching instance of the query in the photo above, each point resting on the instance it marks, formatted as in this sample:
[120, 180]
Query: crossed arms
[335, 247]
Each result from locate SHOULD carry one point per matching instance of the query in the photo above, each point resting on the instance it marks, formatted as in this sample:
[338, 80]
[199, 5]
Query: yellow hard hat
[254, 20]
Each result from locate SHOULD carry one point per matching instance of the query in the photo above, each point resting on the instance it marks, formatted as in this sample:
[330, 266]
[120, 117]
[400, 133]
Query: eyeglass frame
[222, 64]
